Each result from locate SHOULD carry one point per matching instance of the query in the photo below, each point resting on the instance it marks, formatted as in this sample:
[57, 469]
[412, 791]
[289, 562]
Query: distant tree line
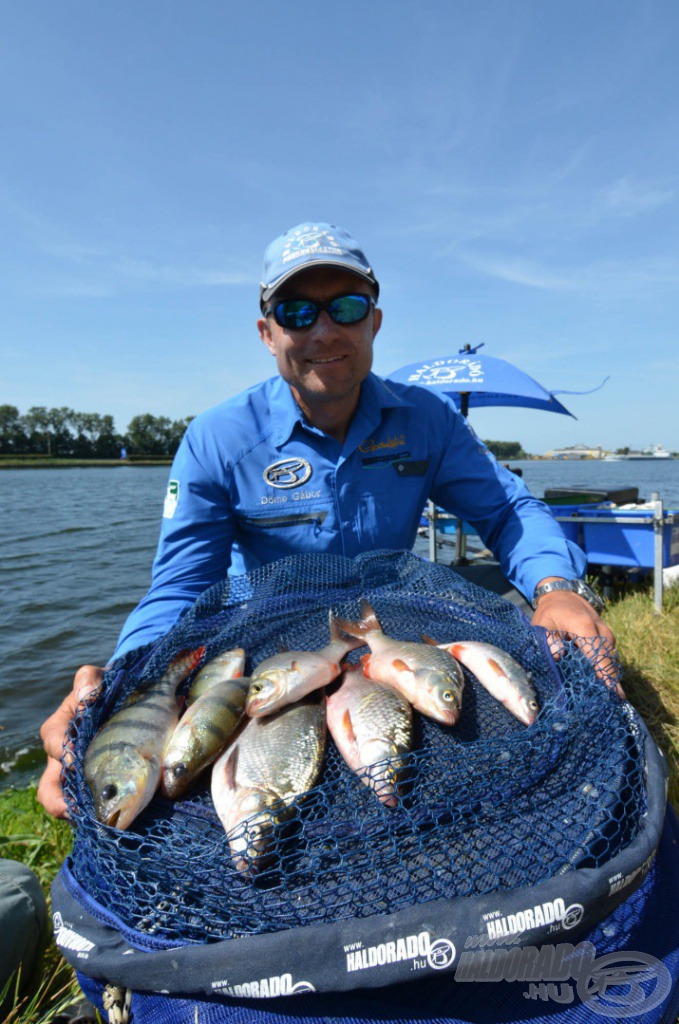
[64, 433]
[506, 449]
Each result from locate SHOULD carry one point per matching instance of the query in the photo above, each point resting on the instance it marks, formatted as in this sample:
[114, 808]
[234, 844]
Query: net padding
[491, 807]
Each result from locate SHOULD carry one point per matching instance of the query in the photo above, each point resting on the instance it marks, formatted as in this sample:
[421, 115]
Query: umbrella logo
[448, 371]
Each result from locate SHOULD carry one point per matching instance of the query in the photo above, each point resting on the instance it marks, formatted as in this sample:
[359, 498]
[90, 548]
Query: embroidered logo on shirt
[392, 442]
[287, 473]
[171, 499]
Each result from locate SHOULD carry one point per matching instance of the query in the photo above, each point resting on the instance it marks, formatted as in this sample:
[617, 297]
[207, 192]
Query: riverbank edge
[80, 463]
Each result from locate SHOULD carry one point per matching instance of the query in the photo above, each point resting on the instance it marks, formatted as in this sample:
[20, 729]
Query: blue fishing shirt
[253, 482]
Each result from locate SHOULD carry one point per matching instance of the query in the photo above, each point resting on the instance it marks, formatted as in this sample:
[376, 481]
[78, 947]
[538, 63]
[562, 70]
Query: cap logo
[311, 243]
[287, 473]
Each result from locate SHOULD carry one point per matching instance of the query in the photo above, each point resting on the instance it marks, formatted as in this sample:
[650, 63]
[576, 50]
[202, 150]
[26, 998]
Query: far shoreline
[47, 463]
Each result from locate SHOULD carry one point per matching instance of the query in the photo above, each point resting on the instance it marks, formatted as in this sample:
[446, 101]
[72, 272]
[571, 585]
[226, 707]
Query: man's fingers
[599, 650]
[49, 790]
[54, 735]
[86, 680]
[555, 644]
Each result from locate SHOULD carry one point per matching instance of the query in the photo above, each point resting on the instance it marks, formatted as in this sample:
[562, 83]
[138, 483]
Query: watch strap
[576, 586]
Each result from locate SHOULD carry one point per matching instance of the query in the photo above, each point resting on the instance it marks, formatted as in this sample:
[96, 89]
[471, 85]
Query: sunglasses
[296, 314]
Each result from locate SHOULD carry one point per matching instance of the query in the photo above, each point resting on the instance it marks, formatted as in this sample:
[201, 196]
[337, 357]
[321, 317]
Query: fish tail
[367, 624]
[182, 665]
[337, 633]
[340, 629]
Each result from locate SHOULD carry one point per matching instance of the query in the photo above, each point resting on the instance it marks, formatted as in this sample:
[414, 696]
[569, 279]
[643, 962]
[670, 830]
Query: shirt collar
[376, 394]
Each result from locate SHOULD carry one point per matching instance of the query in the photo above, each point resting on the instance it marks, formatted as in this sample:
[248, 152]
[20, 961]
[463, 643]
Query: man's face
[327, 362]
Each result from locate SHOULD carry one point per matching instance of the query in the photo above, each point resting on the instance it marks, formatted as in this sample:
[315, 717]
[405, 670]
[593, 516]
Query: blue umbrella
[473, 380]
[470, 379]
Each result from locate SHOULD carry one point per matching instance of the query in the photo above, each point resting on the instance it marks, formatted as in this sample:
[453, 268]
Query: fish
[271, 762]
[123, 763]
[372, 723]
[203, 732]
[429, 678]
[500, 674]
[228, 665]
[290, 675]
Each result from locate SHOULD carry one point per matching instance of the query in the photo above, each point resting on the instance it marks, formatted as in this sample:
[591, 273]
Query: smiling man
[327, 457]
[326, 362]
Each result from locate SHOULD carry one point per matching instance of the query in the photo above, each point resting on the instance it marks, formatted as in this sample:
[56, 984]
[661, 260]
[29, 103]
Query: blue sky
[511, 168]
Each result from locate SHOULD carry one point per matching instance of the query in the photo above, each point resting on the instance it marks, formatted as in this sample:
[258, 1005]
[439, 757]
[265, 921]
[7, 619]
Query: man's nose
[325, 327]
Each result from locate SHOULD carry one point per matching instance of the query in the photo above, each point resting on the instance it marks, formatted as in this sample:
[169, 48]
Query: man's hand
[567, 614]
[53, 735]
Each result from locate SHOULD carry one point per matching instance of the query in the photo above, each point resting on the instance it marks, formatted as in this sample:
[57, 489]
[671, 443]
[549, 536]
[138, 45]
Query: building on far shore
[578, 451]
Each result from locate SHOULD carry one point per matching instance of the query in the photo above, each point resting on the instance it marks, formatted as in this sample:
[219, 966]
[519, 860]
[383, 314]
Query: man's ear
[265, 335]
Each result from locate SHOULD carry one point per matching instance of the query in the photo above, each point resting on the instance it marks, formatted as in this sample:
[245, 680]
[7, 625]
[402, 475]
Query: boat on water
[658, 451]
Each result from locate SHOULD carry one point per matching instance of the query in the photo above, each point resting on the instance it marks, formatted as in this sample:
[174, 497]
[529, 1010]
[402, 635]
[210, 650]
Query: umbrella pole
[432, 531]
[460, 538]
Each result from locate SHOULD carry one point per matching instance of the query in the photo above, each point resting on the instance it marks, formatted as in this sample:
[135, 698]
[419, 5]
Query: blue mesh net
[490, 806]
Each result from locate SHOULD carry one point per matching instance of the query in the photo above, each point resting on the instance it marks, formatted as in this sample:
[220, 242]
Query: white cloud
[629, 198]
[604, 276]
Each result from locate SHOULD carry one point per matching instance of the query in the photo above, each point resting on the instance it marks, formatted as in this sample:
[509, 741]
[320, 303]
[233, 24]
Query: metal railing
[659, 520]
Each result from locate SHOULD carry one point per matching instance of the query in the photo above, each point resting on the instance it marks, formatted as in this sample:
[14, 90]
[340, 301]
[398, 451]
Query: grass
[649, 650]
[648, 644]
[29, 835]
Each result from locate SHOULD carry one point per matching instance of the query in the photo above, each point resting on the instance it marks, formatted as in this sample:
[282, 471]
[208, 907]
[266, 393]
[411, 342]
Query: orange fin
[428, 640]
[348, 727]
[496, 668]
[400, 665]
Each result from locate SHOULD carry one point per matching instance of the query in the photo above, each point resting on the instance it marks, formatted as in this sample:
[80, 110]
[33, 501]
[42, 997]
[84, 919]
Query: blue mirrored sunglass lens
[296, 314]
[349, 309]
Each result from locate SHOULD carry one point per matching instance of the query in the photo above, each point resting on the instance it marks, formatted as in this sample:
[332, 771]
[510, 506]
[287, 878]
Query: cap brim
[267, 292]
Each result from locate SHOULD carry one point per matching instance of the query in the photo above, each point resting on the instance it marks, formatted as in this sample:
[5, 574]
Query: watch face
[589, 595]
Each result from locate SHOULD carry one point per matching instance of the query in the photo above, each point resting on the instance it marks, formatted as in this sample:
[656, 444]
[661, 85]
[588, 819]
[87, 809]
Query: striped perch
[123, 763]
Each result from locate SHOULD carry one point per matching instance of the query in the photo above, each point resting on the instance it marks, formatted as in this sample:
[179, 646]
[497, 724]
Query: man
[327, 457]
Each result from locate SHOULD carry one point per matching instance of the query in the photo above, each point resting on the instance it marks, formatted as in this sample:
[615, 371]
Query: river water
[76, 547]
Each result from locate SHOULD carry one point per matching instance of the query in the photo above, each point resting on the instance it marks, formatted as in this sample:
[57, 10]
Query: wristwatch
[577, 586]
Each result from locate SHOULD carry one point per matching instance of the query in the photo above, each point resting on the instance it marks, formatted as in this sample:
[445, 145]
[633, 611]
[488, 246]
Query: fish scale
[272, 761]
[371, 723]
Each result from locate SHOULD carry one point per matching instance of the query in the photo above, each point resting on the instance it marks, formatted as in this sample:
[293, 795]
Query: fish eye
[109, 792]
[533, 705]
[178, 770]
[448, 696]
[255, 688]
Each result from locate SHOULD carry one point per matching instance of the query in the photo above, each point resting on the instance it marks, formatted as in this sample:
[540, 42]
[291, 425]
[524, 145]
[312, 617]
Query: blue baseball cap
[312, 244]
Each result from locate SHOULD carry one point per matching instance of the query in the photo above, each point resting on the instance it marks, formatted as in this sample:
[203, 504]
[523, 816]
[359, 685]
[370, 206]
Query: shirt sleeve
[194, 549]
[516, 526]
